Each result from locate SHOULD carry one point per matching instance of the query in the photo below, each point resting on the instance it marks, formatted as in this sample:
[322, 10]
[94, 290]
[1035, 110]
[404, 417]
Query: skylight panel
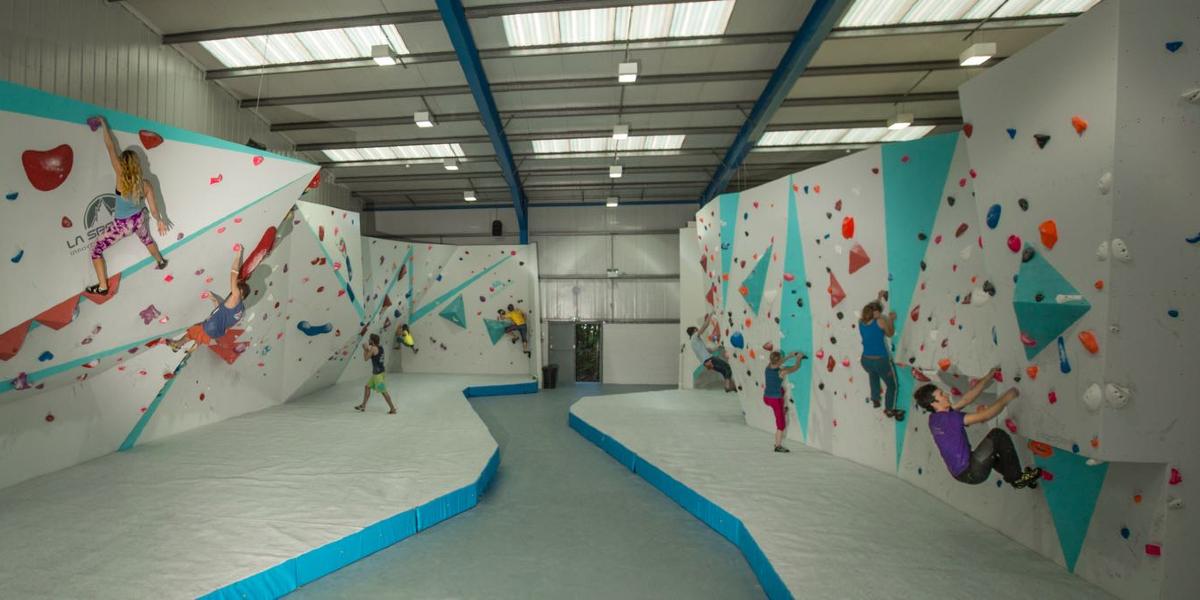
[595, 25]
[858, 135]
[912, 132]
[780, 138]
[344, 155]
[822, 136]
[1062, 7]
[304, 46]
[925, 11]
[395, 152]
[864, 135]
[608, 144]
[870, 13]
[874, 13]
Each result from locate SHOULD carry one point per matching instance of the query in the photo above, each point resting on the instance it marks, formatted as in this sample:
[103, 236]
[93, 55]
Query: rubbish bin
[549, 376]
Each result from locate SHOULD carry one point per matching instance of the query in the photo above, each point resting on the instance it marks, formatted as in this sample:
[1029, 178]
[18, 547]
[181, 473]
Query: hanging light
[614, 172]
[450, 164]
[612, 202]
[977, 54]
[900, 121]
[469, 196]
[627, 72]
[423, 119]
[382, 55]
[621, 132]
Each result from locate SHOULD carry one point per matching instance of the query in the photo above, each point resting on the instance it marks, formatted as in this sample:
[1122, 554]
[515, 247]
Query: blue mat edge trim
[505, 389]
[707, 511]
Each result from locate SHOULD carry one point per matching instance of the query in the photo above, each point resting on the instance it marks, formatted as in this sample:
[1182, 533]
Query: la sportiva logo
[96, 217]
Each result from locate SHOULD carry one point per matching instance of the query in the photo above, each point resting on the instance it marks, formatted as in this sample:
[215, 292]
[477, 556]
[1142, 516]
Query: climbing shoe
[781, 449]
[1029, 479]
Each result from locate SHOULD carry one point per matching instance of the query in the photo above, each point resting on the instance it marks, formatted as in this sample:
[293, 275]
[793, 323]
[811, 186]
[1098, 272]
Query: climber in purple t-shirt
[949, 428]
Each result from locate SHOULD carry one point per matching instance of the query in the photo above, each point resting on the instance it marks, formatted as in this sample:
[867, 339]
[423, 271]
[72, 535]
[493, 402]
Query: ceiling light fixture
[469, 196]
[627, 72]
[900, 121]
[614, 172]
[382, 55]
[620, 132]
[450, 164]
[612, 202]
[977, 54]
[423, 119]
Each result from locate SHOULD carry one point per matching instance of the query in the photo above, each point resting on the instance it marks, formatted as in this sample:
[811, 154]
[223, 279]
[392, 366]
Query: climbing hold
[968, 128]
[1064, 365]
[1079, 123]
[944, 364]
[215, 180]
[1176, 477]
[1041, 139]
[1173, 313]
[46, 356]
[737, 341]
[150, 139]
[1052, 397]
[1102, 251]
[310, 330]
[1153, 550]
[257, 160]
[1012, 133]
[66, 223]
[1032, 371]
[1195, 239]
[12, 196]
[836, 293]
[1174, 46]
[1119, 250]
[789, 277]
[962, 228]
[1092, 397]
[1099, 284]
[950, 200]
[993, 216]
[830, 364]
[1116, 395]
[1125, 532]
[848, 227]
[149, 314]
[1041, 449]
[1049, 231]
[1027, 254]
[1014, 243]
[1023, 203]
[858, 258]
[94, 123]
[16, 258]
[1011, 425]
[48, 169]
[1088, 339]
[915, 313]
[768, 346]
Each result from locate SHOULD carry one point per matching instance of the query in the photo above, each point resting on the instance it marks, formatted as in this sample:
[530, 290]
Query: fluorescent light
[614, 172]
[597, 25]
[977, 54]
[632, 143]
[450, 164]
[620, 132]
[900, 121]
[612, 202]
[627, 72]
[469, 196]
[382, 54]
[422, 119]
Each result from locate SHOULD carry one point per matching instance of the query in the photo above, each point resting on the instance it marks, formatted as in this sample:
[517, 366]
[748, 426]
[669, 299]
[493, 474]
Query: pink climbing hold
[789, 277]
[1046, 475]
[257, 160]
[1176, 477]
[1153, 550]
[1011, 425]
[836, 293]
[1053, 397]
[1028, 340]
[1014, 243]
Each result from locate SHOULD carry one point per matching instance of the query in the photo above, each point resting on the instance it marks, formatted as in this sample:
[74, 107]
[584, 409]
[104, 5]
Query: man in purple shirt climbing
[949, 428]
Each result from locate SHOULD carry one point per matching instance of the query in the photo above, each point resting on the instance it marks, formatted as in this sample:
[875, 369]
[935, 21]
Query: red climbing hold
[1014, 243]
[968, 129]
[49, 417]
[703, 262]
[1011, 425]
[261, 251]
[12, 340]
[1049, 231]
[1052, 397]
[150, 139]
[315, 182]
[257, 160]
[1088, 339]
[321, 232]
[66, 223]
[830, 364]
[1041, 449]
[836, 293]
[1079, 123]
[60, 315]
[915, 313]
[858, 258]
[48, 169]
[962, 228]
[838, 205]
[848, 227]
[944, 364]
[919, 376]
[1153, 550]
[1176, 477]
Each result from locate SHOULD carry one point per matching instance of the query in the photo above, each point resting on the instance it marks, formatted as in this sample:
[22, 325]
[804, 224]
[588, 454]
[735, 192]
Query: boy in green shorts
[373, 352]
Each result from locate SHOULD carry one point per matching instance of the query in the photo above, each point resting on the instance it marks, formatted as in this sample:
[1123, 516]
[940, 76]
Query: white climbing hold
[1106, 183]
[1102, 251]
[933, 334]
[1114, 329]
[1092, 397]
[1065, 298]
[1120, 251]
[1192, 95]
[1174, 502]
[1117, 396]
[838, 249]
[979, 297]
[1092, 462]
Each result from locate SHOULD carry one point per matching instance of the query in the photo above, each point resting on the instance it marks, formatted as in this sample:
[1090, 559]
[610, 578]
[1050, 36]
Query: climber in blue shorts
[706, 356]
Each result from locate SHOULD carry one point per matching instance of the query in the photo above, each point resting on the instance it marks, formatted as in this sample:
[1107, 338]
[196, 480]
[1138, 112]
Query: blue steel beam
[821, 18]
[459, 29]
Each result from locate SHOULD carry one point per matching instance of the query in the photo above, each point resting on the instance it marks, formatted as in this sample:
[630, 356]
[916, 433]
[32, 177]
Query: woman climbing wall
[134, 196]
[875, 327]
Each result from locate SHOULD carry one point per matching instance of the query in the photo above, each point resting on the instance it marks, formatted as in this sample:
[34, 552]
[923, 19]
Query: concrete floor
[561, 520]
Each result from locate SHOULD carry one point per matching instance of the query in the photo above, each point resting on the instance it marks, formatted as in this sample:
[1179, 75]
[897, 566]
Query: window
[873, 13]
[687, 19]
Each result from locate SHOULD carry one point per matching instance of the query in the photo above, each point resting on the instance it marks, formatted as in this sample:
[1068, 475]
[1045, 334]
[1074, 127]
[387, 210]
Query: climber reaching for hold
[227, 313]
[516, 317]
[949, 428]
[405, 337]
[773, 394]
[709, 358]
[875, 327]
[133, 196]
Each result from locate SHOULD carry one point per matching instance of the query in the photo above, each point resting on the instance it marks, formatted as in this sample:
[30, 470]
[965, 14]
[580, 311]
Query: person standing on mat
[875, 327]
[949, 428]
[227, 313]
[773, 391]
[708, 357]
[405, 337]
[373, 351]
[517, 318]
[134, 196]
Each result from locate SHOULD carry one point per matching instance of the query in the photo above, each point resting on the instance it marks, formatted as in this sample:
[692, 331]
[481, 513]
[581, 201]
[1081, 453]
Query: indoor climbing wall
[387, 265]
[453, 317]
[1050, 237]
[82, 375]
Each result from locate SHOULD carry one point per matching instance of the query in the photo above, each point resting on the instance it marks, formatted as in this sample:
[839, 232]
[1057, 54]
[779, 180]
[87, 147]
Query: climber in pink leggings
[773, 392]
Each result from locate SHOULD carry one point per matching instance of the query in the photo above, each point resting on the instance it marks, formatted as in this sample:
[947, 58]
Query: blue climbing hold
[495, 329]
[18, 256]
[1012, 133]
[753, 284]
[995, 340]
[1044, 321]
[439, 277]
[806, 189]
[396, 313]
[46, 356]
[11, 196]
[1075, 448]
[455, 312]
[745, 216]
[1173, 313]
[920, 471]
[1063, 364]
[1195, 239]
[999, 483]
[310, 330]
[1125, 532]
[1174, 45]
[993, 216]
[737, 340]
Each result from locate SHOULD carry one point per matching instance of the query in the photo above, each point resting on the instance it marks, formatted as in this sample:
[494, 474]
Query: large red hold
[848, 227]
[858, 258]
[150, 139]
[265, 245]
[48, 169]
[836, 293]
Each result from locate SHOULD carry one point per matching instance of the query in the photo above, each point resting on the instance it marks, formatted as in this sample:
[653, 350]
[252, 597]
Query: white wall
[640, 353]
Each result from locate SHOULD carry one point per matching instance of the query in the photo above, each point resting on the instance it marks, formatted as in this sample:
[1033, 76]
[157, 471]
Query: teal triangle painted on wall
[455, 312]
[1071, 496]
[795, 320]
[728, 204]
[914, 176]
[495, 329]
[1045, 319]
[754, 283]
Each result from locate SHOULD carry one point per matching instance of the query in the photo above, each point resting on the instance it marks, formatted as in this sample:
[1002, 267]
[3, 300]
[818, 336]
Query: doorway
[588, 351]
[561, 338]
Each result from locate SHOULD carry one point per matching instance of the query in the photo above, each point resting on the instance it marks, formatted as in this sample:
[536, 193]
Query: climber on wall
[773, 395]
[949, 428]
[875, 327]
[516, 317]
[227, 313]
[134, 196]
[405, 337]
[707, 357]
[373, 351]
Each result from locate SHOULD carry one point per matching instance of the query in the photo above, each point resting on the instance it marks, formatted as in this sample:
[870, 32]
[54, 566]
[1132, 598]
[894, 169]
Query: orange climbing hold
[743, 290]
[848, 227]
[1032, 371]
[1095, 442]
[1088, 339]
[1099, 284]
[1049, 231]
[944, 364]
[1079, 123]
[1041, 449]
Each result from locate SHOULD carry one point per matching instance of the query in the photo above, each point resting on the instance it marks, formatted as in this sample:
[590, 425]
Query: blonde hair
[130, 183]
